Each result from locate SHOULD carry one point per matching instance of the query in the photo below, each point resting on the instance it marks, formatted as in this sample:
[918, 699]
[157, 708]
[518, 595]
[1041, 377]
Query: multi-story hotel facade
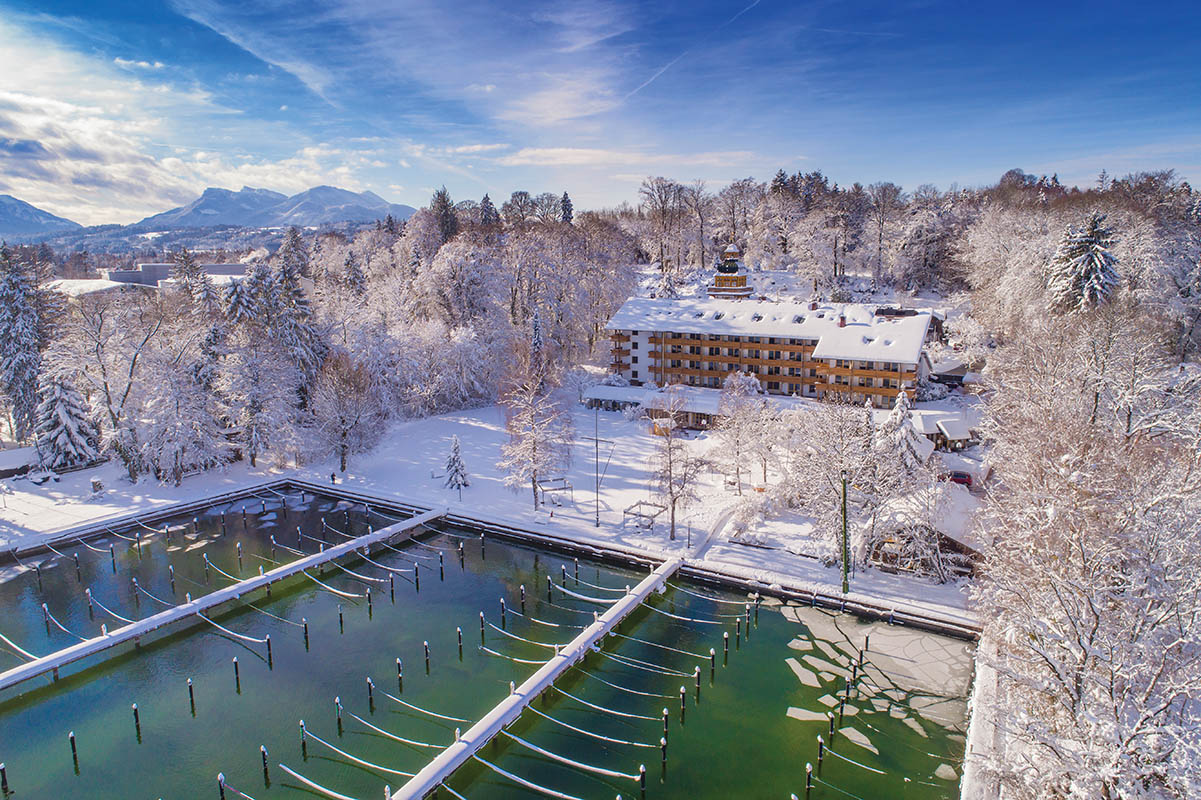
[809, 349]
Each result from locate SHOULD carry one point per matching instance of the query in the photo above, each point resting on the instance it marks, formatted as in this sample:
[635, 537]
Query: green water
[748, 735]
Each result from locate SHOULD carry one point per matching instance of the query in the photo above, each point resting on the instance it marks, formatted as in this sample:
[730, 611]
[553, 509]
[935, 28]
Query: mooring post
[830, 715]
[305, 624]
[441, 568]
[371, 695]
[549, 597]
[577, 572]
[738, 633]
[665, 717]
[239, 558]
[304, 746]
[91, 611]
[712, 665]
[523, 598]
[3, 779]
[137, 598]
[642, 778]
[46, 617]
[481, 545]
[78, 574]
[663, 747]
[503, 617]
[426, 645]
[683, 703]
[481, 627]
[416, 576]
[821, 751]
[460, 555]
[392, 588]
[112, 555]
[459, 631]
[74, 751]
[137, 540]
[697, 674]
[192, 697]
[237, 677]
[400, 675]
[137, 723]
[808, 778]
[266, 774]
[341, 622]
[171, 572]
[269, 659]
[206, 568]
[38, 570]
[563, 576]
[369, 607]
[221, 784]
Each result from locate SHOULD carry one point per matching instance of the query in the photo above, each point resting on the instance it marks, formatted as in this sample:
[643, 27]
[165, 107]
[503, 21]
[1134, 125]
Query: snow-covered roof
[17, 457]
[702, 400]
[865, 337]
[954, 428]
[619, 394]
[79, 287]
[952, 512]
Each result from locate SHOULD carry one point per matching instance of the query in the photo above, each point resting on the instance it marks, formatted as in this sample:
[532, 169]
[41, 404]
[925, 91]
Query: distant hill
[262, 208]
[18, 218]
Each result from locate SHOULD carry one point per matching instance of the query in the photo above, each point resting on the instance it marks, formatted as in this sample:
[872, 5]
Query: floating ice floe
[804, 675]
[854, 736]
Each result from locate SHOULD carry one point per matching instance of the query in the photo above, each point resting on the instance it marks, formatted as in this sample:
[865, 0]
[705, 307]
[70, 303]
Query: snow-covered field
[409, 462]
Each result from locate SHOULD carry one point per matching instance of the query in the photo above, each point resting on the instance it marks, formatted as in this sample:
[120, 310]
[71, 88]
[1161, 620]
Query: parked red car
[957, 476]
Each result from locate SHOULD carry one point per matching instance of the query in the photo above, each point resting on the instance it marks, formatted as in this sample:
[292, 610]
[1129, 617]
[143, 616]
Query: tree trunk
[534, 489]
[673, 520]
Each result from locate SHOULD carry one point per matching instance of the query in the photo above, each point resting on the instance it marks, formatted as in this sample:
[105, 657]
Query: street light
[845, 548]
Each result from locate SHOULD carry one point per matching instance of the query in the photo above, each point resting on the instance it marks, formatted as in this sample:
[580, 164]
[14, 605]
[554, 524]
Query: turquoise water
[748, 735]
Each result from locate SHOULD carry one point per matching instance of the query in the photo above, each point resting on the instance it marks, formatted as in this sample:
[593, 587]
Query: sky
[110, 111]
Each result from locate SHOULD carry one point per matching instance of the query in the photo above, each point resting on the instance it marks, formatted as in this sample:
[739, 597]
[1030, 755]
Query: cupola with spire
[730, 280]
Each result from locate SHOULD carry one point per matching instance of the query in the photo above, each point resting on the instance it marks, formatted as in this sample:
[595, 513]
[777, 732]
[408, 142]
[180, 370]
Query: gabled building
[810, 349]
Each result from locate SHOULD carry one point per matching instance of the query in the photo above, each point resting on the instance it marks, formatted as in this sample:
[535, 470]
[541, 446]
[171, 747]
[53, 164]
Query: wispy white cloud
[599, 157]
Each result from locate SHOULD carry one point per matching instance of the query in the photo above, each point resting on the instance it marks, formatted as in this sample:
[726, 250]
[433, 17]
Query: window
[634, 374]
[634, 360]
[773, 386]
[675, 363]
[715, 351]
[773, 354]
[772, 340]
[633, 345]
[752, 353]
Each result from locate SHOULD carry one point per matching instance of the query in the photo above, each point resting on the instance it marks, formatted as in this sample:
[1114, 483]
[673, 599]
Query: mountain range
[246, 208]
[263, 208]
[18, 218]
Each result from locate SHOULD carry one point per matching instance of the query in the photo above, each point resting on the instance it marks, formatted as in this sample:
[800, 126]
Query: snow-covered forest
[1079, 308]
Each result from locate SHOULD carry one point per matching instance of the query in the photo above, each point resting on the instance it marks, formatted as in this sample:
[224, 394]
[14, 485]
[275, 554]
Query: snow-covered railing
[509, 709]
[195, 608]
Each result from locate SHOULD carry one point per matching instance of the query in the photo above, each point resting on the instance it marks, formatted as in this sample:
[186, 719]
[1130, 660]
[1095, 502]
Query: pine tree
[352, 275]
[489, 216]
[565, 206]
[897, 443]
[187, 273]
[20, 357]
[456, 472]
[779, 183]
[1083, 273]
[293, 263]
[240, 304]
[444, 211]
[66, 435]
[206, 296]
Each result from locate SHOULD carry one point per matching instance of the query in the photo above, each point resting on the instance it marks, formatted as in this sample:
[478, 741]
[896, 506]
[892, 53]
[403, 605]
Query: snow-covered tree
[259, 388]
[353, 277]
[66, 435]
[186, 272]
[456, 471]
[540, 434]
[738, 406]
[565, 209]
[897, 446]
[240, 303]
[20, 357]
[489, 216]
[176, 420]
[1083, 273]
[444, 213]
[346, 411]
[677, 467]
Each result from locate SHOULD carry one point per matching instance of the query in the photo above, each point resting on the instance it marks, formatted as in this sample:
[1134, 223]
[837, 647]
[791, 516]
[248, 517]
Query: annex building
[808, 349]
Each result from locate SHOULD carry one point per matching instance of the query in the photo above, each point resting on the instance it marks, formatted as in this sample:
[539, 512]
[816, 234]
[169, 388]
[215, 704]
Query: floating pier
[509, 709]
[197, 607]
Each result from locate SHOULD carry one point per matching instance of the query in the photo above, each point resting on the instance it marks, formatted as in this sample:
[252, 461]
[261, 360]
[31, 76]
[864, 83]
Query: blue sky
[111, 111]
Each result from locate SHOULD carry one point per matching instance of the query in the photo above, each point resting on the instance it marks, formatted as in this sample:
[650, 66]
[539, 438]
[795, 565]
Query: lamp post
[845, 547]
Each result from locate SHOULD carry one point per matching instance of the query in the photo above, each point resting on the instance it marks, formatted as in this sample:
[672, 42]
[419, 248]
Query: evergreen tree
[390, 225]
[240, 303]
[186, 272]
[489, 216]
[66, 435]
[293, 263]
[897, 443]
[456, 472]
[779, 183]
[206, 296]
[565, 206]
[444, 211]
[1083, 273]
[20, 357]
[352, 275]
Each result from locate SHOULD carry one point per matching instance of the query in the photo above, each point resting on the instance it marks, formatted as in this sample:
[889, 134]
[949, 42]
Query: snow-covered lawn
[408, 465]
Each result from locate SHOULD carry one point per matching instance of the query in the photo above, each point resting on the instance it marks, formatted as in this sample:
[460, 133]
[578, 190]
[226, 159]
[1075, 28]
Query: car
[957, 476]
